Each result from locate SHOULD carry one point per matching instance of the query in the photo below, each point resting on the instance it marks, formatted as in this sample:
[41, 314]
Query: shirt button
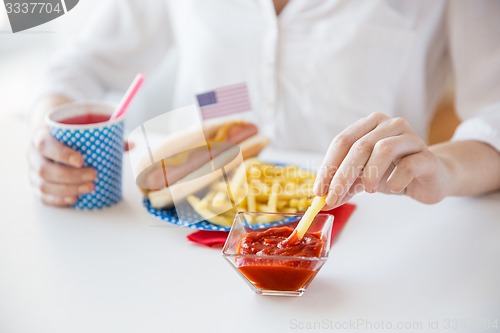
[268, 104]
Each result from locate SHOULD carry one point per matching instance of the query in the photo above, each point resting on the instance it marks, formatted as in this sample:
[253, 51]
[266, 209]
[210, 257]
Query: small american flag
[224, 101]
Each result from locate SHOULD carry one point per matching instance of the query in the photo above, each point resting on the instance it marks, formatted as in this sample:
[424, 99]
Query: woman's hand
[56, 171]
[382, 154]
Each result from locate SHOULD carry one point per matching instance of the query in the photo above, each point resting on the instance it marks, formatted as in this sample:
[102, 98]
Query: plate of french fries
[254, 186]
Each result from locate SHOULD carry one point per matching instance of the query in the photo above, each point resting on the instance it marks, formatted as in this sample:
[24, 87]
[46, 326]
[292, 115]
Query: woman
[313, 68]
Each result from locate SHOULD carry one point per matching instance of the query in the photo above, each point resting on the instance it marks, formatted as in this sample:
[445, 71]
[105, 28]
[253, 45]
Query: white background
[24, 56]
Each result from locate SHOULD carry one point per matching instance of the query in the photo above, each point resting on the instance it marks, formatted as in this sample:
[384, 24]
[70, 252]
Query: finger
[407, 169]
[55, 150]
[386, 152]
[57, 201]
[129, 145]
[382, 185]
[339, 148]
[323, 178]
[356, 188]
[57, 173]
[56, 189]
[350, 195]
[354, 162]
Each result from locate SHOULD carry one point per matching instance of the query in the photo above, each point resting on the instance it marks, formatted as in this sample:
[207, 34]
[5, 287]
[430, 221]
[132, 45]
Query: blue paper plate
[191, 216]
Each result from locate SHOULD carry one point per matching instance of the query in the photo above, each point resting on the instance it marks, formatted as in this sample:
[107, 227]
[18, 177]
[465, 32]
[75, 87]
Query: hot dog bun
[184, 164]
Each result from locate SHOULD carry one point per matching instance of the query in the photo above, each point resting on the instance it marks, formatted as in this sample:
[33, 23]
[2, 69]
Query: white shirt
[313, 70]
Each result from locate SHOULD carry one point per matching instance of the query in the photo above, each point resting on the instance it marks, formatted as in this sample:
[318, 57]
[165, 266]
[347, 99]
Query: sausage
[163, 173]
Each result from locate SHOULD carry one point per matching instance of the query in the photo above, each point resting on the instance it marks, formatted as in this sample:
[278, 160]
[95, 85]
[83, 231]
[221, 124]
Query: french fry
[219, 199]
[305, 222]
[259, 187]
[205, 202]
[267, 218]
[272, 203]
[239, 178]
[251, 204]
[282, 204]
[302, 205]
[263, 208]
[238, 184]
[206, 213]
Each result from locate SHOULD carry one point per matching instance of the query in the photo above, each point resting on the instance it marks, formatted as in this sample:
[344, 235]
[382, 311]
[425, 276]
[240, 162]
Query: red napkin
[218, 238]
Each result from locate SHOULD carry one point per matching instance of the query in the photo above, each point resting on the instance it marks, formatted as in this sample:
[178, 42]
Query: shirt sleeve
[474, 30]
[125, 37]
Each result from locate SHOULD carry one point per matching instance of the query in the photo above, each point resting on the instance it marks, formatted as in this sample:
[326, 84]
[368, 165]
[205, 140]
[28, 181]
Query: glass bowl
[276, 274]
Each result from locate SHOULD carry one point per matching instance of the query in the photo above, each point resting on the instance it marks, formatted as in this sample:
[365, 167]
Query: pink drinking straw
[128, 97]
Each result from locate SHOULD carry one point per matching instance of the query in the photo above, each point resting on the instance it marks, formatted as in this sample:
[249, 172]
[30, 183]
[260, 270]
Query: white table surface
[397, 262]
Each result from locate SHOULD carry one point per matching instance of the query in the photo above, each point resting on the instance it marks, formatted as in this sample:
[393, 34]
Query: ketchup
[84, 119]
[279, 274]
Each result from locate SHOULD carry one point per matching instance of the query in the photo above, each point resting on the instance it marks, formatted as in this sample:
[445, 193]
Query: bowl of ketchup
[270, 265]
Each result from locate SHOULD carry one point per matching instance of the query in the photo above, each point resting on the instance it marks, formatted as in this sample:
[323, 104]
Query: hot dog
[197, 160]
